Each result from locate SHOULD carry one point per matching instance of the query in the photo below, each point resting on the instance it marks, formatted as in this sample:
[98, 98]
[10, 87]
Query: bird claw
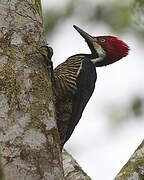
[47, 53]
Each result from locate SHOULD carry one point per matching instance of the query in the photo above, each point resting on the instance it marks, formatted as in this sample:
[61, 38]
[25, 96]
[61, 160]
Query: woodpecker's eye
[102, 40]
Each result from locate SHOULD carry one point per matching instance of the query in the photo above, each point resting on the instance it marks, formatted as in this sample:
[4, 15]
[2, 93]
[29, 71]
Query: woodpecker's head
[105, 49]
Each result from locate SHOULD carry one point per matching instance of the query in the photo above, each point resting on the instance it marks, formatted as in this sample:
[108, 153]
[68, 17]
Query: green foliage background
[120, 16]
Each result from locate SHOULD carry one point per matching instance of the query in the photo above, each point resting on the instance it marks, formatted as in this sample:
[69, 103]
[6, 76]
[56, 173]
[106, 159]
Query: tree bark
[134, 168]
[29, 141]
[72, 170]
[1, 172]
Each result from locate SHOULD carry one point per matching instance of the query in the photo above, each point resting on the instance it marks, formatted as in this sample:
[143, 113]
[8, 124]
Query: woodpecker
[74, 79]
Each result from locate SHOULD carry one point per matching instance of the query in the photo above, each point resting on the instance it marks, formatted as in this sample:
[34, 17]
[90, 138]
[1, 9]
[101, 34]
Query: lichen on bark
[29, 149]
[134, 168]
[72, 170]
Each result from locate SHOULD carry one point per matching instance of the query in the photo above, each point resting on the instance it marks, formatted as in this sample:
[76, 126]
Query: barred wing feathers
[66, 75]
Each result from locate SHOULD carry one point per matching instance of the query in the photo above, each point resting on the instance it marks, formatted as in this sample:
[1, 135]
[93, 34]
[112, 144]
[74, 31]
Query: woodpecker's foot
[50, 52]
[47, 53]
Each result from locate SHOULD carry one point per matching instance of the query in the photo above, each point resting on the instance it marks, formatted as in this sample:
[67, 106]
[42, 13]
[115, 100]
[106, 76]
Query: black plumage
[74, 82]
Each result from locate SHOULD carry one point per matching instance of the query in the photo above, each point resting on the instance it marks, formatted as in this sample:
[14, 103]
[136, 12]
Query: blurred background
[112, 125]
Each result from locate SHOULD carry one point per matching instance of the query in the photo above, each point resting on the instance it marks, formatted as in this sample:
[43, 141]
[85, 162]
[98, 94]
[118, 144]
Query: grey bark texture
[1, 172]
[72, 170]
[134, 168]
[29, 141]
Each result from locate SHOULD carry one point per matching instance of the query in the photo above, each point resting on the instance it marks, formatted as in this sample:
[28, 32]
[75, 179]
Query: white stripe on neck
[96, 60]
[100, 51]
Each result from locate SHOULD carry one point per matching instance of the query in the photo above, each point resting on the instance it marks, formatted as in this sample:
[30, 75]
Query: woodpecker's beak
[85, 35]
[88, 38]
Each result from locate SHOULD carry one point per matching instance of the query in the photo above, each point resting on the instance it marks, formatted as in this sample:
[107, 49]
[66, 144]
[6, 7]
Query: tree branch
[72, 170]
[134, 168]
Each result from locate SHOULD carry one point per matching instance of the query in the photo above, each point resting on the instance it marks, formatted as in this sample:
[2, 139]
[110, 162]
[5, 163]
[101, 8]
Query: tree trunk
[29, 141]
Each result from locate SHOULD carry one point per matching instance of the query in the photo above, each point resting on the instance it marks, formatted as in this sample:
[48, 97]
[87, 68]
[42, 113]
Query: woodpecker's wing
[65, 87]
[85, 87]
[65, 76]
